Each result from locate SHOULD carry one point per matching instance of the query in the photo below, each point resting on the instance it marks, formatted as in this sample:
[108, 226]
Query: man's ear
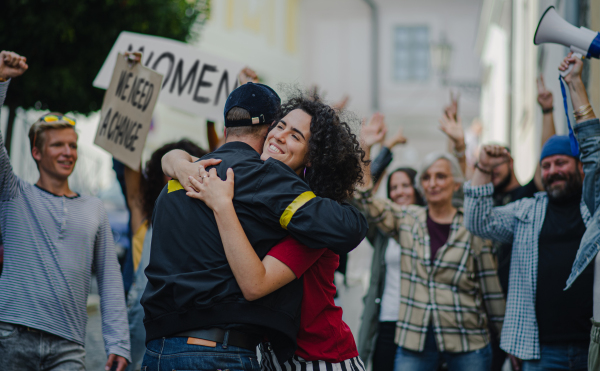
[36, 153]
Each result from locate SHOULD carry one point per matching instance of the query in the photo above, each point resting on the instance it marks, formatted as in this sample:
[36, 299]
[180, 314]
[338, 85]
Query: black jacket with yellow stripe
[190, 284]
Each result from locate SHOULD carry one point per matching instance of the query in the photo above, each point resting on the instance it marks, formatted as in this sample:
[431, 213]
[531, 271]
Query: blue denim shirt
[588, 136]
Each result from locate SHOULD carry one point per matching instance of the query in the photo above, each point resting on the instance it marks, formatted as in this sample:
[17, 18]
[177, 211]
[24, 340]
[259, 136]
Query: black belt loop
[225, 339]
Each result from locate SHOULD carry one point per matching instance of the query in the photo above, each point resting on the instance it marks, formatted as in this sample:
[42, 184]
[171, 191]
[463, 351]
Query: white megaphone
[553, 28]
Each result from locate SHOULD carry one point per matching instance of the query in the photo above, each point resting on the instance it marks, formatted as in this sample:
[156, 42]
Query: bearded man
[544, 324]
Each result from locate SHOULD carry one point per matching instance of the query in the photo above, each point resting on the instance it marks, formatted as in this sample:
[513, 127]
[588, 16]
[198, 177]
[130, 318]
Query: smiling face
[561, 176]
[438, 183]
[58, 155]
[288, 141]
[402, 191]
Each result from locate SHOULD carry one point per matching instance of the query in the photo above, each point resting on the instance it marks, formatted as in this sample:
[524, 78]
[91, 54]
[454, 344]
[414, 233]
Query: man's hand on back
[11, 65]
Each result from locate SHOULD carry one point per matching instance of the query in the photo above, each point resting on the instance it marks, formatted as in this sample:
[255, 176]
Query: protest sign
[194, 81]
[127, 111]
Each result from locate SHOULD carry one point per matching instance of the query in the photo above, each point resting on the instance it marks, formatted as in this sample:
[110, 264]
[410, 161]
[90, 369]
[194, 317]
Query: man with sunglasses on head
[53, 237]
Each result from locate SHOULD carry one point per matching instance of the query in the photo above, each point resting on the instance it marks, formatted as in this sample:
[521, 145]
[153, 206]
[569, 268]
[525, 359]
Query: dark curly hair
[334, 152]
[154, 178]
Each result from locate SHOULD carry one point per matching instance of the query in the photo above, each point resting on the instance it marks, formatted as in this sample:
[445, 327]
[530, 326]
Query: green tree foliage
[66, 42]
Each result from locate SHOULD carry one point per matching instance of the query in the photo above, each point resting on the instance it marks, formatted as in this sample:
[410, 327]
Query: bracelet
[459, 154]
[480, 169]
[585, 117]
[580, 116]
[583, 110]
[547, 110]
[3, 79]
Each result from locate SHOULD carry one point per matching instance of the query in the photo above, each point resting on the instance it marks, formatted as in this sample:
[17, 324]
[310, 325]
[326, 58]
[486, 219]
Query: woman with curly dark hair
[314, 142]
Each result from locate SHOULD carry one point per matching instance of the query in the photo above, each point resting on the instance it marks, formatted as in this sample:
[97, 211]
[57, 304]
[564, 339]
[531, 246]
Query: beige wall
[509, 93]
[336, 55]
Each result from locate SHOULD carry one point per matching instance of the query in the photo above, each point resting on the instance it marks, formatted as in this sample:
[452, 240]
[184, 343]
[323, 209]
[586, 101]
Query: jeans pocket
[7, 330]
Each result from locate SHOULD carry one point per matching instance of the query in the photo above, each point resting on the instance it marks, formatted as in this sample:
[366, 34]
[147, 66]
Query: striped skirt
[270, 363]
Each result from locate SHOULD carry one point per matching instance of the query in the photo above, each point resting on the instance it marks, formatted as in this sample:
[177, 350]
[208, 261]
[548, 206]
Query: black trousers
[385, 348]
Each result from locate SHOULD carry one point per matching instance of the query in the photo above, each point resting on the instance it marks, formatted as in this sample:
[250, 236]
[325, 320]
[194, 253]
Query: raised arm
[546, 103]
[384, 158]
[370, 134]
[256, 278]
[11, 65]
[481, 217]
[454, 130]
[133, 179]
[587, 132]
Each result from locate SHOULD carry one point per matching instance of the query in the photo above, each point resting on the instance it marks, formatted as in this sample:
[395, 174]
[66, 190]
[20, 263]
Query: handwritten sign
[194, 81]
[127, 111]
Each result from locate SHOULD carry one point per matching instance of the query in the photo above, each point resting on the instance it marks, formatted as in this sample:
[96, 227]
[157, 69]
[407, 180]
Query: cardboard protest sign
[127, 111]
[194, 81]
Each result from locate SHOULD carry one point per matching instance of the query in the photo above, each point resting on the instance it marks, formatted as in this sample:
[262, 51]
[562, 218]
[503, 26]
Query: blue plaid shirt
[519, 223]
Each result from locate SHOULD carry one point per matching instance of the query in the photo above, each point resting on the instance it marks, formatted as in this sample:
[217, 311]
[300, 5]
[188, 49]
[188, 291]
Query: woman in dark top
[376, 335]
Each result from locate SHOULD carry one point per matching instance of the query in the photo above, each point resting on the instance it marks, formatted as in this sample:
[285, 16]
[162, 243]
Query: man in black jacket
[195, 313]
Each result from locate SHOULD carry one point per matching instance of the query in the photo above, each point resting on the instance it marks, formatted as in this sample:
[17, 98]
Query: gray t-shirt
[50, 245]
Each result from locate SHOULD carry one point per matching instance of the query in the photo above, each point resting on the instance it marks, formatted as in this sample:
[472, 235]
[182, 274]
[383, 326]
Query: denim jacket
[588, 136]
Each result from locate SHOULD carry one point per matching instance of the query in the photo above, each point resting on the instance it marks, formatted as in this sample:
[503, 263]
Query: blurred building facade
[511, 63]
[424, 50]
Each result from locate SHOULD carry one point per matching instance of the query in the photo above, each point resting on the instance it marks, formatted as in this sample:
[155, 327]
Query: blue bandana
[557, 145]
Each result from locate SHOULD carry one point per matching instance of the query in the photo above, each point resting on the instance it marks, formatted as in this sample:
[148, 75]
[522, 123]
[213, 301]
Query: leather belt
[235, 338]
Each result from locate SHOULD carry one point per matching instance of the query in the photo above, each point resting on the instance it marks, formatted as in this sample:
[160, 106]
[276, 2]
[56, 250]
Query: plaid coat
[459, 291]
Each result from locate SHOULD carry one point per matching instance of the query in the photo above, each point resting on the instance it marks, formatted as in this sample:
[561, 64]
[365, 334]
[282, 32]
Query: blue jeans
[26, 349]
[430, 358]
[176, 354]
[560, 357]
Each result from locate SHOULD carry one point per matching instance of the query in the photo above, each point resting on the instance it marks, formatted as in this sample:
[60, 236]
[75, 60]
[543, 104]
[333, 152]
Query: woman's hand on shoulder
[211, 190]
[185, 169]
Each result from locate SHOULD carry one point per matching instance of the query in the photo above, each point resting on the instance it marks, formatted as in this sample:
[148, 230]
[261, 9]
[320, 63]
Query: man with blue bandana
[545, 326]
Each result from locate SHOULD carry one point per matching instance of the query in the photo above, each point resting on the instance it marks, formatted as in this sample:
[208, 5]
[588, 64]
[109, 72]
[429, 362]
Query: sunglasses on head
[54, 118]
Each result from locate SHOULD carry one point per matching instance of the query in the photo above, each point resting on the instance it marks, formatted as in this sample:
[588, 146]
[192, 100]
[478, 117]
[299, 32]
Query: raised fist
[492, 155]
[12, 65]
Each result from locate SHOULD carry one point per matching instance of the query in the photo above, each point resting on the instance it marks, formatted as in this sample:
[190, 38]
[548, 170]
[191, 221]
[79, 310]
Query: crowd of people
[234, 250]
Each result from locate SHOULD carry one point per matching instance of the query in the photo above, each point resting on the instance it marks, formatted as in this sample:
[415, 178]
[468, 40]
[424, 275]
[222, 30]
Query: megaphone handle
[568, 70]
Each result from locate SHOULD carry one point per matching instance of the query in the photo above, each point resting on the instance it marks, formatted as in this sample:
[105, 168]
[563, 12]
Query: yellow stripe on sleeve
[289, 212]
[174, 185]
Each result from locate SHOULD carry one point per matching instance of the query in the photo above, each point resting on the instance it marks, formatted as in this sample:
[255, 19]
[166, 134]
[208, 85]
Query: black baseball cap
[260, 100]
